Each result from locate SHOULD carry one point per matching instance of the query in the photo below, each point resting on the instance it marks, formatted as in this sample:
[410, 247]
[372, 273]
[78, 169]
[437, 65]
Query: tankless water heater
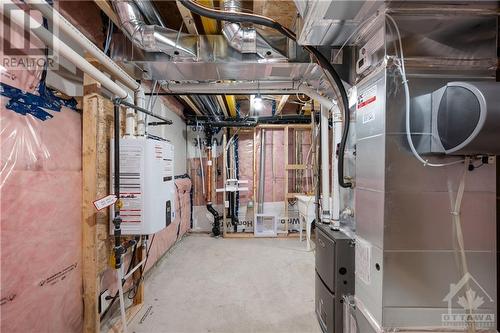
[147, 186]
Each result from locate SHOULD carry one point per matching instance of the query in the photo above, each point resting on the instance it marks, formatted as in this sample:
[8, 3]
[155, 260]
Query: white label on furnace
[366, 104]
[363, 260]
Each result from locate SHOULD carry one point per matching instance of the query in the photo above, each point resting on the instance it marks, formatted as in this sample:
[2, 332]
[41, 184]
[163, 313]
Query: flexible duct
[152, 38]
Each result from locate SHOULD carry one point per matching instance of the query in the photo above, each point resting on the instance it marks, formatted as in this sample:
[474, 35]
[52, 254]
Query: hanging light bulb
[257, 103]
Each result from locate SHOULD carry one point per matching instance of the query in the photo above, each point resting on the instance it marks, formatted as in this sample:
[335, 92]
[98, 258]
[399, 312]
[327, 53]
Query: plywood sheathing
[282, 11]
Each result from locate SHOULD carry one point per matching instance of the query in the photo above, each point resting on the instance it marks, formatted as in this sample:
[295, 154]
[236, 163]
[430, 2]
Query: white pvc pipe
[140, 101]
[130, 120]
[64, 25]
[325, 162]
[119, 275]
[19, 17]
[337, 137]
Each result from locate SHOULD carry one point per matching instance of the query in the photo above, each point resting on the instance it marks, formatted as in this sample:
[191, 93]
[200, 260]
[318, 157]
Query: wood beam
[191, 105]
[188, 19]
[106, 7]
[220, 100]
[281, 104]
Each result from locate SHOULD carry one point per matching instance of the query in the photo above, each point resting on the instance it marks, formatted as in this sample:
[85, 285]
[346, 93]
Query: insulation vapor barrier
[40, 222]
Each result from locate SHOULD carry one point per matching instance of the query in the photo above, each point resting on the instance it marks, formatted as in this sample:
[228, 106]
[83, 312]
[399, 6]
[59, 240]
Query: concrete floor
[230, 285]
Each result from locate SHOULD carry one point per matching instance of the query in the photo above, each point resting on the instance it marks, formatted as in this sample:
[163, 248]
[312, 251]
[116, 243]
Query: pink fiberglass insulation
[166, 238]
[245, 153]
[163, 240]
[40, 184]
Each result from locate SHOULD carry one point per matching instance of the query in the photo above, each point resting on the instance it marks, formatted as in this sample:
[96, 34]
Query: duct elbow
[152, 38]
[241, 39]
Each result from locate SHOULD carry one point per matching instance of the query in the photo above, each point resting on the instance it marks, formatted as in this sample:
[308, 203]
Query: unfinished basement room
[249, 166]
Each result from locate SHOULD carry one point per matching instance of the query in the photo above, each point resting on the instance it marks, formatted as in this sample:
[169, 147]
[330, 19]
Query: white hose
[402, 70]
[457, 223]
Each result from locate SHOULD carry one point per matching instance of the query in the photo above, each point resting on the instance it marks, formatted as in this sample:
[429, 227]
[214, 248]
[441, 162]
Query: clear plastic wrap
[40, 184]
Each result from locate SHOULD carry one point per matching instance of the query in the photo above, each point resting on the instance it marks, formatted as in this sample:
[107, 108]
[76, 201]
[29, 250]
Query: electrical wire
[109, 35]
[324, 63]
[400, 64]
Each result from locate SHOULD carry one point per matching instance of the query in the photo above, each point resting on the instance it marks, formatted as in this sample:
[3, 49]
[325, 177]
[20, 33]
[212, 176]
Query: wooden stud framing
[92, 105]
[224, 176]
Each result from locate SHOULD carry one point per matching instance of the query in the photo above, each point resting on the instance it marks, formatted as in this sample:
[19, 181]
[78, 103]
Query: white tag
[226, 204]
[209, 162]
[105, 202]
[363, 260]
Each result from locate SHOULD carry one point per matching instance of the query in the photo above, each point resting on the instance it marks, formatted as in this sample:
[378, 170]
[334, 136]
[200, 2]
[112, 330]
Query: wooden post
[92, 105]
[224, 177]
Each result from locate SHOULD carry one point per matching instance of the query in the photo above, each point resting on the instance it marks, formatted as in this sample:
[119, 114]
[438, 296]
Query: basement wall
[41, 287]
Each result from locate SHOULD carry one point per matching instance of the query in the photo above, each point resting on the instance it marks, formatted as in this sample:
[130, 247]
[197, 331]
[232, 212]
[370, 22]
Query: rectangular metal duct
[331, 22]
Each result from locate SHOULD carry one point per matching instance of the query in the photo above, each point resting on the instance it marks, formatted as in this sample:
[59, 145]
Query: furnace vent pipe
[20, 18]
[152, 38]
[336, 138]
[65, 26]
[325, 169]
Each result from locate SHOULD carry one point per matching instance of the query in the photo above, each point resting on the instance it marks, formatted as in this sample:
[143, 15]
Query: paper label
[363, 260]
[105, 202]
[366, 104]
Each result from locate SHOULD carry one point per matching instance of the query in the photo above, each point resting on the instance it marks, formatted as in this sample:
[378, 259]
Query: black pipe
[210, 208]
[251, 121]
[117, 220]
[238, 17]
[138, 108]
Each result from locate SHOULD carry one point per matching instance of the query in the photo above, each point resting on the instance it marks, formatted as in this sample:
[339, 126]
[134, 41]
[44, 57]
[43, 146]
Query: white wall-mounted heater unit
[147, 186]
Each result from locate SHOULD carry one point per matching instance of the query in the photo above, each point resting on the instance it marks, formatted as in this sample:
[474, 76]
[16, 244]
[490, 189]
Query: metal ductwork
[245, 39]
[151, 37]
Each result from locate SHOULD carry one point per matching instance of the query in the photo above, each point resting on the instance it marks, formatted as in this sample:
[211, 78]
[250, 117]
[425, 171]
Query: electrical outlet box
[103, 302]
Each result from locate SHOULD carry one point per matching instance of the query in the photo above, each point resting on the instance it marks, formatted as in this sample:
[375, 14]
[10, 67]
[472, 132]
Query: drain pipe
[336, 138]
[69, 29]
[210, 208]
[325, 163]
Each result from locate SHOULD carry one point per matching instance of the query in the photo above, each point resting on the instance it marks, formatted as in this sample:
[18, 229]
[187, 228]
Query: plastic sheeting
[40, 184]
